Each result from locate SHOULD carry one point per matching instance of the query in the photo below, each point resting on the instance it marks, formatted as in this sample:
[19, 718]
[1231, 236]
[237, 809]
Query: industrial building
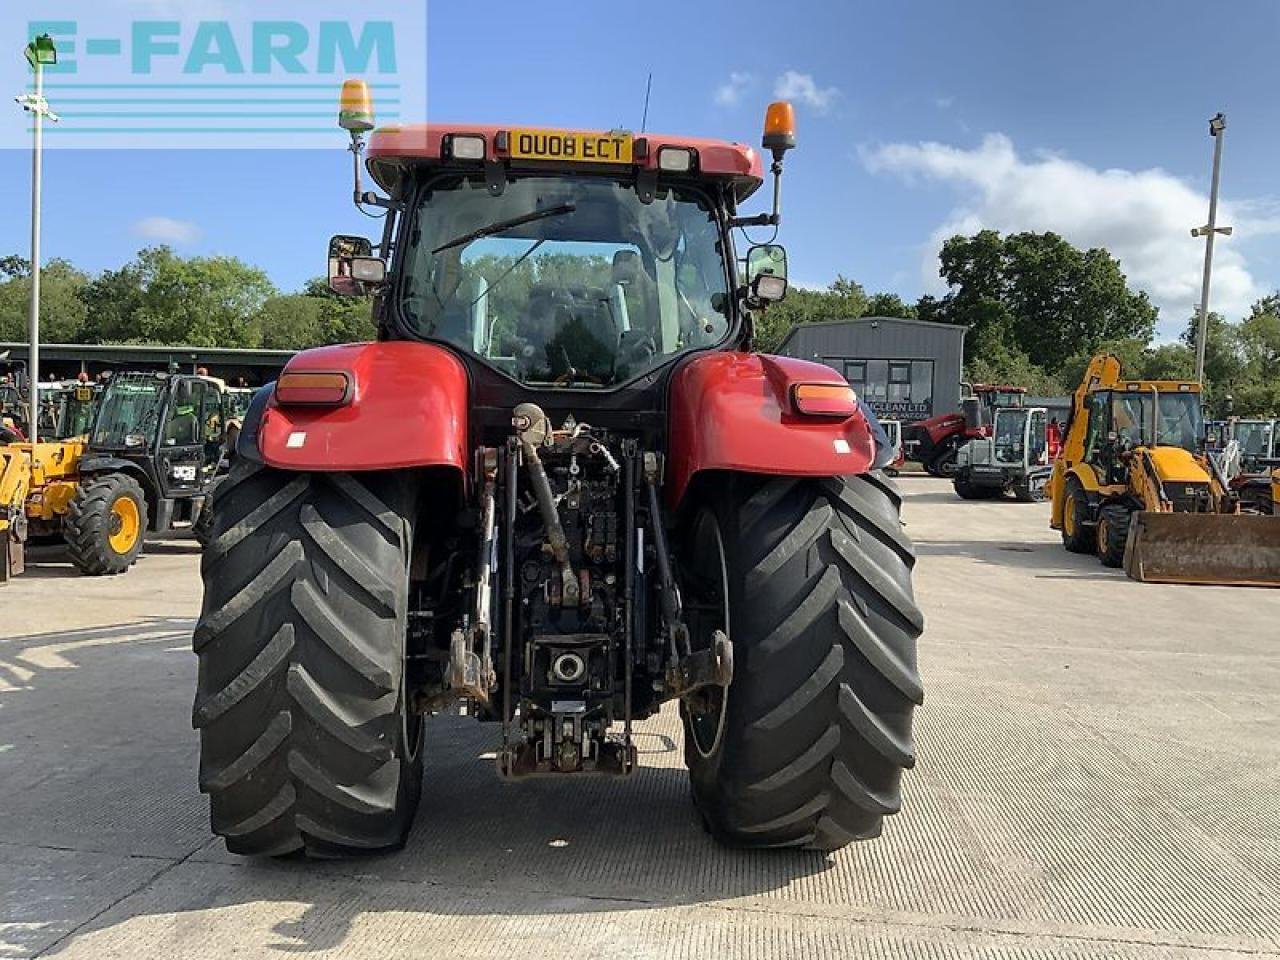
[904, 369]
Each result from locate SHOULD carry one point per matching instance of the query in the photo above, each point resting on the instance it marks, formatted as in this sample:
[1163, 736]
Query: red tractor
[559, 491]
[935, 442]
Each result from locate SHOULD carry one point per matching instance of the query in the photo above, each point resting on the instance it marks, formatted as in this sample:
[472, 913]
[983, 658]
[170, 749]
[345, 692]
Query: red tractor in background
[935, 442]
[559, 490]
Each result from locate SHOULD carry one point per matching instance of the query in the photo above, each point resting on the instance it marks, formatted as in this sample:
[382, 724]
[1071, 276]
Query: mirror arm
[766, 219]
[359, 194]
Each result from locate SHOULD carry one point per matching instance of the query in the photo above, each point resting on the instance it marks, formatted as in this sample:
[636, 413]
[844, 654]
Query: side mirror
[767, 272]
[353, 270]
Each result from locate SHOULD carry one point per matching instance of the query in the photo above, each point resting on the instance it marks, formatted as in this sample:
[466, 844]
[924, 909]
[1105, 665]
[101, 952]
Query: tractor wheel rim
[1103, 536]
[708, 611]
[125, 525]
[1069, 515]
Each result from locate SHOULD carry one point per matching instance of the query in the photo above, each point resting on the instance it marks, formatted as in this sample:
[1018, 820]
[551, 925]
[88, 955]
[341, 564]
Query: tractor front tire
[306, 740]
[1077, 533]
[1113, 533]
[105, 524]
[823, 625]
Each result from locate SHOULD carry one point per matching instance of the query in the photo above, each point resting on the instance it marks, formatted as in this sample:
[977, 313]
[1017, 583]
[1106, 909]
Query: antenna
[648, 88]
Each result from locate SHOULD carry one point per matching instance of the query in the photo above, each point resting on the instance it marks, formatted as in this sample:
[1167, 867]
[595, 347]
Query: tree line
[161, 297]
[1036, 307]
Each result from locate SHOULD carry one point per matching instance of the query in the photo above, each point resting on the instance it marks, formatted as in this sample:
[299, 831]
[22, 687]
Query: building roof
[150, 351]
[856, 321]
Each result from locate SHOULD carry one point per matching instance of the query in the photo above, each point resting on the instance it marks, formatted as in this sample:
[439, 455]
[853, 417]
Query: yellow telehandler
[1135, 486]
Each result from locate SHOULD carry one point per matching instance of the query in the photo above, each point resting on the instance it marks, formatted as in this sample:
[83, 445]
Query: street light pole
[1217, 130]
[33, 321]
[39, 52]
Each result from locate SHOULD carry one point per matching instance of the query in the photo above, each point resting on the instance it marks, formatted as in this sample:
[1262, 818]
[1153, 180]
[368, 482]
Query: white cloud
[944, 103]
[179, 233]
[793, 85]
[1142, 216]
[730, 93]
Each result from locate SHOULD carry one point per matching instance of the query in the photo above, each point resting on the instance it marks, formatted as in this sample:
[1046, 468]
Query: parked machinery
[145, 467]
[936, 441]
[1014, 459]
[1135, 486]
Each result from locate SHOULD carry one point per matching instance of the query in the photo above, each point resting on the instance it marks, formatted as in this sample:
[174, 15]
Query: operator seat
[640, 290]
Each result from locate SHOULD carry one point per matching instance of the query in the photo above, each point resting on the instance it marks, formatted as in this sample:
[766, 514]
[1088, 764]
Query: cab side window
[1097, 408]
[185, 427]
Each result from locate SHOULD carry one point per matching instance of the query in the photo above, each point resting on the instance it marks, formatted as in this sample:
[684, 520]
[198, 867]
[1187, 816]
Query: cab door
[181, 453]
[1036, 440]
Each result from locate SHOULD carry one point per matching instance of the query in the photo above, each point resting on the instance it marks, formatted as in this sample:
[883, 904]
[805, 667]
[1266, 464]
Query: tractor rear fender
[734, 411]
[405, 406]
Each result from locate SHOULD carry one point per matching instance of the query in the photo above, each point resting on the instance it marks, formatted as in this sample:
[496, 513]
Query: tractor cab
[14, 410]
[1257, 441]
[67, 409]
[1120, 421]
[1015, 458]
[555, 262]
[165, 431]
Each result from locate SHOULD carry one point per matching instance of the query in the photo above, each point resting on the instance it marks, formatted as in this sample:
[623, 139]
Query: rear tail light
[825, 400]
[313, 389]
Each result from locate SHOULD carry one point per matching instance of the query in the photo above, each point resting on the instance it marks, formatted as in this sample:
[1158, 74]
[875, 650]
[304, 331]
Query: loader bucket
[1239, 550]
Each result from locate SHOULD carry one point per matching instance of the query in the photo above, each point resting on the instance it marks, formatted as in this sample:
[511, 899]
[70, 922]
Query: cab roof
[718, 160]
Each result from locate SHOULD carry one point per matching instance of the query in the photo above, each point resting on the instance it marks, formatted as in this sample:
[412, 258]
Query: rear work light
[313, 389]
[675, 159]
[825, 400]
[466, 147]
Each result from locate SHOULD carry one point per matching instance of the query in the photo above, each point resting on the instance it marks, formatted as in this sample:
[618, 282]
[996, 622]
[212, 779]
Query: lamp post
[1217, 130]
[40, 53]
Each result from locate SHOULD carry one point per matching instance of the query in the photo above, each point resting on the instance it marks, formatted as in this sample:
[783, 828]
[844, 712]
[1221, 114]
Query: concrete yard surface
[1098, 776]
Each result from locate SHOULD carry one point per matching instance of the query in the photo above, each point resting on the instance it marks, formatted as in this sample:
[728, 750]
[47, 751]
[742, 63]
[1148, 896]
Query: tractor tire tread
[818, 730]
[303, 735]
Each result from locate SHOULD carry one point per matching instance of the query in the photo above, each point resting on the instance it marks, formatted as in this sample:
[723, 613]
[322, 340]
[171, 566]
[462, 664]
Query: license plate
[572, 147]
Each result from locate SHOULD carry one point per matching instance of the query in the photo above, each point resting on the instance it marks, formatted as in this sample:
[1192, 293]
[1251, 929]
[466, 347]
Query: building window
[899, 382]
[855, 372]
[894, 389]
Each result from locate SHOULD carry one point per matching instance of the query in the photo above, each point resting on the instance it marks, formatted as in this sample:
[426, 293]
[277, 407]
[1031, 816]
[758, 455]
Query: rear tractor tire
[1113, 533]
[306, 740]
[815, 728]
[106, 524]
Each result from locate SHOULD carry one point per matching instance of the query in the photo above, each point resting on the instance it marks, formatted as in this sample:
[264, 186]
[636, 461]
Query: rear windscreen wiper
[503, 225]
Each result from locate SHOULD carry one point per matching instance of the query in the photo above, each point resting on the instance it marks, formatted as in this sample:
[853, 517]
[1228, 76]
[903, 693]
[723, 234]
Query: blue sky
[915, 119]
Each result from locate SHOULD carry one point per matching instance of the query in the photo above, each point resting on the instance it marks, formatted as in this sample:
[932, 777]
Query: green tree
[1038, 295]
[161, 297]
[62, 309]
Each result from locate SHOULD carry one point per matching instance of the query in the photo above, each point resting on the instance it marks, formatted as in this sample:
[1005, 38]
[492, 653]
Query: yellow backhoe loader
[1134, 486]
[37, 483]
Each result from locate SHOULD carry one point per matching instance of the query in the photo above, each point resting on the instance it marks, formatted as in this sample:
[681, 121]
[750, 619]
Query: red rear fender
[732, 411]
[407, 408]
